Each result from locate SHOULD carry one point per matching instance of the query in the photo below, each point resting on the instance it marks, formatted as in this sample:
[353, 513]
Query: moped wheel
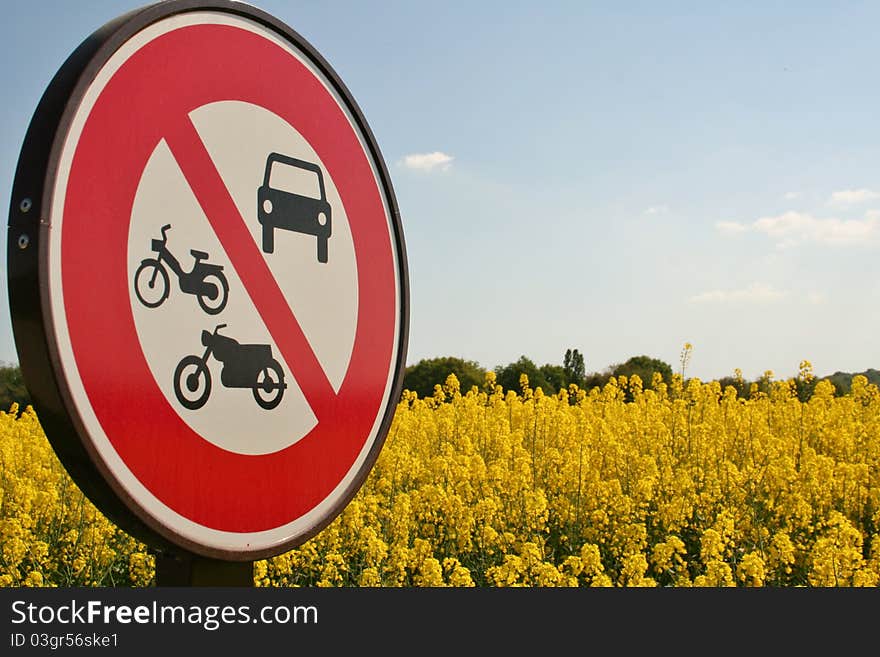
[192, 382]
[216, 302]
[269, 387]
[151, 285]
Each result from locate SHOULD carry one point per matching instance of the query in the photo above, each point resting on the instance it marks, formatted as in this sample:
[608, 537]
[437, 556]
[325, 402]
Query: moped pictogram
[206, 281]
[244, 366]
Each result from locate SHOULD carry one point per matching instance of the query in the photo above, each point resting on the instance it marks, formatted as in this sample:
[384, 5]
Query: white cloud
[435, 161]
[657, 209]
[790, 196]
[853, 196]
[815, 298]
[791, 228]
[754, 293]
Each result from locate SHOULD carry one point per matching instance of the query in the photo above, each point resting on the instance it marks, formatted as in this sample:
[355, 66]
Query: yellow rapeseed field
[680, 485]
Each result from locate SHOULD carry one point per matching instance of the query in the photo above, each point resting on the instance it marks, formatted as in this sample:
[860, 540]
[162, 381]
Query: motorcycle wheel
[192, 382]
[269, 387]
[216, 303]
[151, 285]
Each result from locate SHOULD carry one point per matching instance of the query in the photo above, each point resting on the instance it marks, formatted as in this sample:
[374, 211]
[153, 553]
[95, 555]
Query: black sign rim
[28, 284]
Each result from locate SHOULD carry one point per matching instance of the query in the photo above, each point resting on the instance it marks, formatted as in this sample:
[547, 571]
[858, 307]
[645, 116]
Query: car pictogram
[292, 197]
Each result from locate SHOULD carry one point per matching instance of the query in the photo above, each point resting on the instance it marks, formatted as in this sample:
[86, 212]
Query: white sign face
[322, 296]
[232, 358]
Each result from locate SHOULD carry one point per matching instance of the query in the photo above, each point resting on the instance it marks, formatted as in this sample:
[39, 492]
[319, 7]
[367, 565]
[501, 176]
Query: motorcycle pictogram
[244, 366]
[206, 281]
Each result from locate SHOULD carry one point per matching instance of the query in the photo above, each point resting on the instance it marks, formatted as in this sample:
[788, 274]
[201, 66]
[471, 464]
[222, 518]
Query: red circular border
[163, 82]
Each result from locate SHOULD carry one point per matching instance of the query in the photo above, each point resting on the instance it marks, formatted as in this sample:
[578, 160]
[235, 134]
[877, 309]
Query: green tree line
[12, 387]
[422, 376]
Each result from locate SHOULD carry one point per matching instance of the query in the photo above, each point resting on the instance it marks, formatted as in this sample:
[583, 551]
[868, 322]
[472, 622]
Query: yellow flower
[681, 484]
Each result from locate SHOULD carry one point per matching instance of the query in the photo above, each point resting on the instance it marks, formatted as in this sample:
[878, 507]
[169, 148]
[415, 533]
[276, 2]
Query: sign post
[208, 283]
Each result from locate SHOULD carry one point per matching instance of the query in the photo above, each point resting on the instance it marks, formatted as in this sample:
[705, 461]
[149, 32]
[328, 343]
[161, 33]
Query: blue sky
[620, 178]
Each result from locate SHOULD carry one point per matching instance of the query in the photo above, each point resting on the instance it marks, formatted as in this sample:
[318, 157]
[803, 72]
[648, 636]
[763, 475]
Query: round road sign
[209, 284]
